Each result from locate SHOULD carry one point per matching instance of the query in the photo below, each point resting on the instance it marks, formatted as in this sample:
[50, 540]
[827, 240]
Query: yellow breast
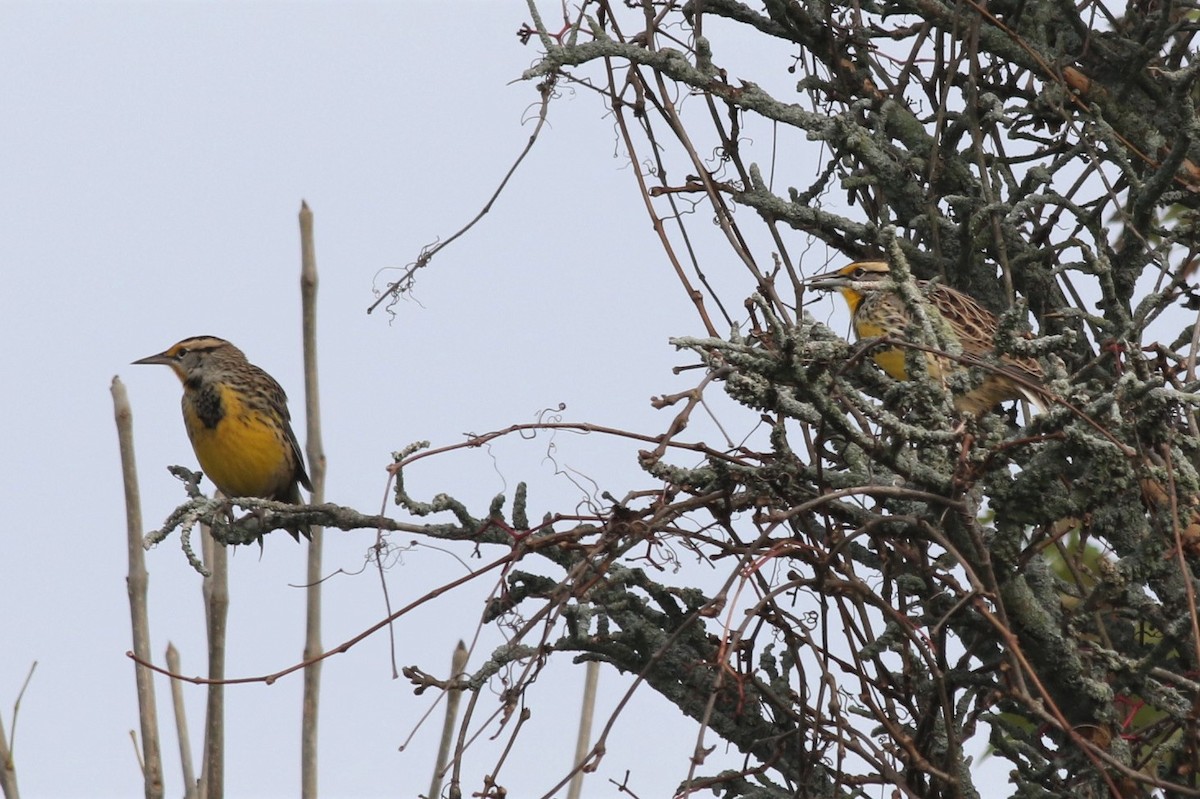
[245, 453]
[892, 359]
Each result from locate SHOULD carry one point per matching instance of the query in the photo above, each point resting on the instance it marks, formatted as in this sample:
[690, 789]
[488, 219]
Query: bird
[877, 310]
[237, 419]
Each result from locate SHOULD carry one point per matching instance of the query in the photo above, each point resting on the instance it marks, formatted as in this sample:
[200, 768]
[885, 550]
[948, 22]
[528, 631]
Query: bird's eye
[860, 272]
[182, 351]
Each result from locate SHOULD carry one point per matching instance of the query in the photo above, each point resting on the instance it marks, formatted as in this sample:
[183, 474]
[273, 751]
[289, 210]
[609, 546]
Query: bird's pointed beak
[161, 357]
[829, 281]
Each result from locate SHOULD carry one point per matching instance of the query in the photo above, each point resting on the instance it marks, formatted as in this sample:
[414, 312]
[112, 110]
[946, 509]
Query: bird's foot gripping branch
[217, 513]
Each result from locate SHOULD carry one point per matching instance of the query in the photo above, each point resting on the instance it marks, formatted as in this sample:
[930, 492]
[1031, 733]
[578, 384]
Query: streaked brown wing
[976, 327]
[276, 404]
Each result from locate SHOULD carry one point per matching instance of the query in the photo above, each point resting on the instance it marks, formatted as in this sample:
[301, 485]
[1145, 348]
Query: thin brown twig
[342, 648]
[397, 287]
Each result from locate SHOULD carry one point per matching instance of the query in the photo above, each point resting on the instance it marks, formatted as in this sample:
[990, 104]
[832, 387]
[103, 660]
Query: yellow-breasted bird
[237, 419]
[876, 309]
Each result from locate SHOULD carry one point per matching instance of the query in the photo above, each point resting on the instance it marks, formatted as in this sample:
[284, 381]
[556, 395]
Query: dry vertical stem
[316, 464]
[216, 610]
[8, 770]
[8, 773]
[458, 664]
[181, 729]
[583, 743]
[137, 583]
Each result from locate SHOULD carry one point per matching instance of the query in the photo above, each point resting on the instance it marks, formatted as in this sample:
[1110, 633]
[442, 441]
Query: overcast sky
[153, 158]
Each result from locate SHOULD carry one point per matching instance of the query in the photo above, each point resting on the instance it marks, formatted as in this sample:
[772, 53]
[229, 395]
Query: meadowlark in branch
[237, 418]
[877, 310]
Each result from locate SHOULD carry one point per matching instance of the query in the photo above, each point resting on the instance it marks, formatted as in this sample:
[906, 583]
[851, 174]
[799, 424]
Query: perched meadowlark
[237, 418]
[876, 309]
